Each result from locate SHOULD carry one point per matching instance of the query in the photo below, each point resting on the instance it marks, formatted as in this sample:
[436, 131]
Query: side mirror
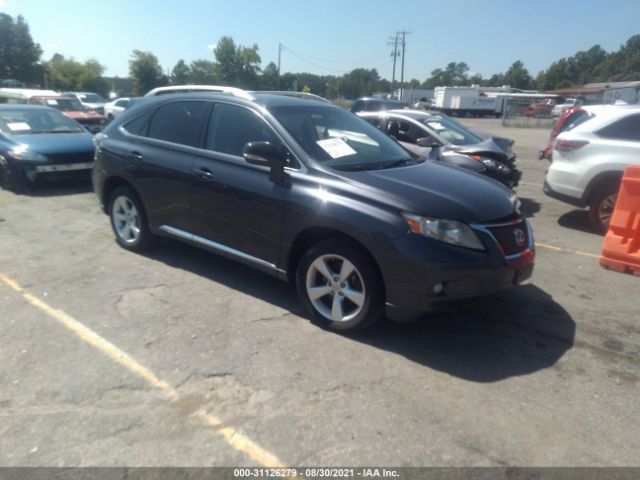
[266, 154]
[427, 142]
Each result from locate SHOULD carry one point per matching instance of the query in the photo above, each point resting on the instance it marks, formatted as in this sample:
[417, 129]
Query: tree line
[240, 66]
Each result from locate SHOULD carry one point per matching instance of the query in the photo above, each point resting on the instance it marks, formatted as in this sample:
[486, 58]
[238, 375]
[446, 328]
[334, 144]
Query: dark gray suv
[313, 195]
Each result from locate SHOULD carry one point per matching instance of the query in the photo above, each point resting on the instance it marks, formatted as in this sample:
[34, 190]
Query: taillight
[568, 145]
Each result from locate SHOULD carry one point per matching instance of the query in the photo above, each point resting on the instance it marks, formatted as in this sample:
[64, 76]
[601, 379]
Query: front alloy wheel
[340, 286]
[335, 288]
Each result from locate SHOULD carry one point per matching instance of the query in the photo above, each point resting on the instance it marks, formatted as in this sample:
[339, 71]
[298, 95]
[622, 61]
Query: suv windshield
[27, 122]
[92, 98]
[339, 139]
[451, 131]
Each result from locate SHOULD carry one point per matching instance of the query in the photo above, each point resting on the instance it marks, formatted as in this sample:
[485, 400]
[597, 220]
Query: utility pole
[279, 55]
[393, 41]
[404, 33]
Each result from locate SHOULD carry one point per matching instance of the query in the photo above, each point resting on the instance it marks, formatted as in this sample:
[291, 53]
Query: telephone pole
[393, 41]
[279, 55]
[404, 33]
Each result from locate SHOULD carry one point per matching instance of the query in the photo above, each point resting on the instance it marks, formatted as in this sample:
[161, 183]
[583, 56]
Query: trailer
[469, 101]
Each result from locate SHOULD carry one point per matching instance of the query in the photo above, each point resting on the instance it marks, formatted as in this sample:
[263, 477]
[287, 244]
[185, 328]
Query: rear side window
[575, 119]
[376, 122]
[137, 126]
[178, 122]
[627, 128]
[232, 127]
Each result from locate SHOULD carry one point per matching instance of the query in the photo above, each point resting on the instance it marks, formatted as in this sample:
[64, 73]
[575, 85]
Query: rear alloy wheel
[339, 286]
[129, 221]
[602, 206]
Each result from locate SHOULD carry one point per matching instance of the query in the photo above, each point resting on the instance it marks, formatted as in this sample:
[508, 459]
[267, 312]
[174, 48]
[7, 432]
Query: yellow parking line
[234, 438]
[566, 250]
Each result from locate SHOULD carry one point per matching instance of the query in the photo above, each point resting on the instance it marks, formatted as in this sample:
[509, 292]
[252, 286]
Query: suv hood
[438, 191]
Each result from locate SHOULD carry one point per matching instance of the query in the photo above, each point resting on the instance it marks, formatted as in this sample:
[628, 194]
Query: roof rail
[237, 92]
[308, 96]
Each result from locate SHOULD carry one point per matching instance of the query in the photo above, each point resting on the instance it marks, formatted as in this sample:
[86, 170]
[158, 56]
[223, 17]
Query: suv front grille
[90, 121]
[64, 158]
[513, 237]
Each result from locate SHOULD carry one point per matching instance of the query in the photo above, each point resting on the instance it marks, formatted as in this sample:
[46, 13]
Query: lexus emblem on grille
[520, 236]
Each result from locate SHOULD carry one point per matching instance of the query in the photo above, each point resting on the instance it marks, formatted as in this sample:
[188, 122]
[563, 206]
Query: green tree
[269, 77]
[476, 79]
[455, 74]
[203, 72]
[68, 74]
[19, 54]
[237, 66]
[517, 76]
[359, 82]
[63, 72]
[145, 72]
[180, 73]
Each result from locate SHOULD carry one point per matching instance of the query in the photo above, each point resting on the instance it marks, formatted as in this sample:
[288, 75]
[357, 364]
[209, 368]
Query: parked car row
[86, 108]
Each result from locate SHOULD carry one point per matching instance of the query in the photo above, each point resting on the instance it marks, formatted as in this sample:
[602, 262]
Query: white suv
[589, 159]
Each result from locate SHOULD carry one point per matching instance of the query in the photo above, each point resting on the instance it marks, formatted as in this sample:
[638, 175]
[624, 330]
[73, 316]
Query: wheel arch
[110, 185]
[306, 238]
[601, 179]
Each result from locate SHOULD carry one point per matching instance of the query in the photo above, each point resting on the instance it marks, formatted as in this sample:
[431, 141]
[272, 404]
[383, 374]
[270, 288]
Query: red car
[92, 121]
[569, 118]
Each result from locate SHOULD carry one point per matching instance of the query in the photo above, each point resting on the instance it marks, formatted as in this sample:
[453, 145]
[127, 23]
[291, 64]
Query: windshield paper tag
[17, 126]
[436, 125]
[336, 147]
[51, 101]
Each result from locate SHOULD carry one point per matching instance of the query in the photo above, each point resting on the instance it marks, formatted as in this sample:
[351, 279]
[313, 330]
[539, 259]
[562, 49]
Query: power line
[313, 63]
[363, 60]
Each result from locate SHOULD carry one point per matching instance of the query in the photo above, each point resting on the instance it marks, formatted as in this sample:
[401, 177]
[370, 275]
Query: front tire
[340, 286]
[601, 206]
[12, 177]
[129, 220]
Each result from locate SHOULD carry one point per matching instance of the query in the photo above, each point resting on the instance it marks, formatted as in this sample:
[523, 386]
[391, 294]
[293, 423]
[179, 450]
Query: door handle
[203, 174]
[137, 156]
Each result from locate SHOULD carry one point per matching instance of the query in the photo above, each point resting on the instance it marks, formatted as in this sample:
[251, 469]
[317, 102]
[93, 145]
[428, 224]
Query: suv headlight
[22, 152]
[448, 231]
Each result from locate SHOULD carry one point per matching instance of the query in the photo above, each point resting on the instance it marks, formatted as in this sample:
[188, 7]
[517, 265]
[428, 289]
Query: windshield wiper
[59, 131]
[398, 163]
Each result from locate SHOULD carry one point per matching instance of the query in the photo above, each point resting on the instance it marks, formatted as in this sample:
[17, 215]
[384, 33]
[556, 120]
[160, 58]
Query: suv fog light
[437, 288]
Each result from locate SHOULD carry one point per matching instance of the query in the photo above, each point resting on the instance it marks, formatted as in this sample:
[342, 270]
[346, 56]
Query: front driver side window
[232, 127]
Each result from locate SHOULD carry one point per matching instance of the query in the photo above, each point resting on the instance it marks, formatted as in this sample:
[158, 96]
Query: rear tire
[601, 206]
[129, 220]
[340, 286]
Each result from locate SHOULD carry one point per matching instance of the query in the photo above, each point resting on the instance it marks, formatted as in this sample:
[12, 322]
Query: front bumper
[68, 167]
[576, 202]
[422, 275]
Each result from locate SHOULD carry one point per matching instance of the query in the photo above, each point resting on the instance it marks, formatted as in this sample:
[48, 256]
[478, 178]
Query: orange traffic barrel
[621, 249]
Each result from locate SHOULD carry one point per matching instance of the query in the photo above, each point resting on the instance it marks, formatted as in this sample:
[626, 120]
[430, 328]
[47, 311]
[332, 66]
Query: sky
[329, 36]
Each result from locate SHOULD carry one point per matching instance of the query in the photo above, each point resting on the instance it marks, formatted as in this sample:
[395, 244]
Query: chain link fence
[527, 112]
